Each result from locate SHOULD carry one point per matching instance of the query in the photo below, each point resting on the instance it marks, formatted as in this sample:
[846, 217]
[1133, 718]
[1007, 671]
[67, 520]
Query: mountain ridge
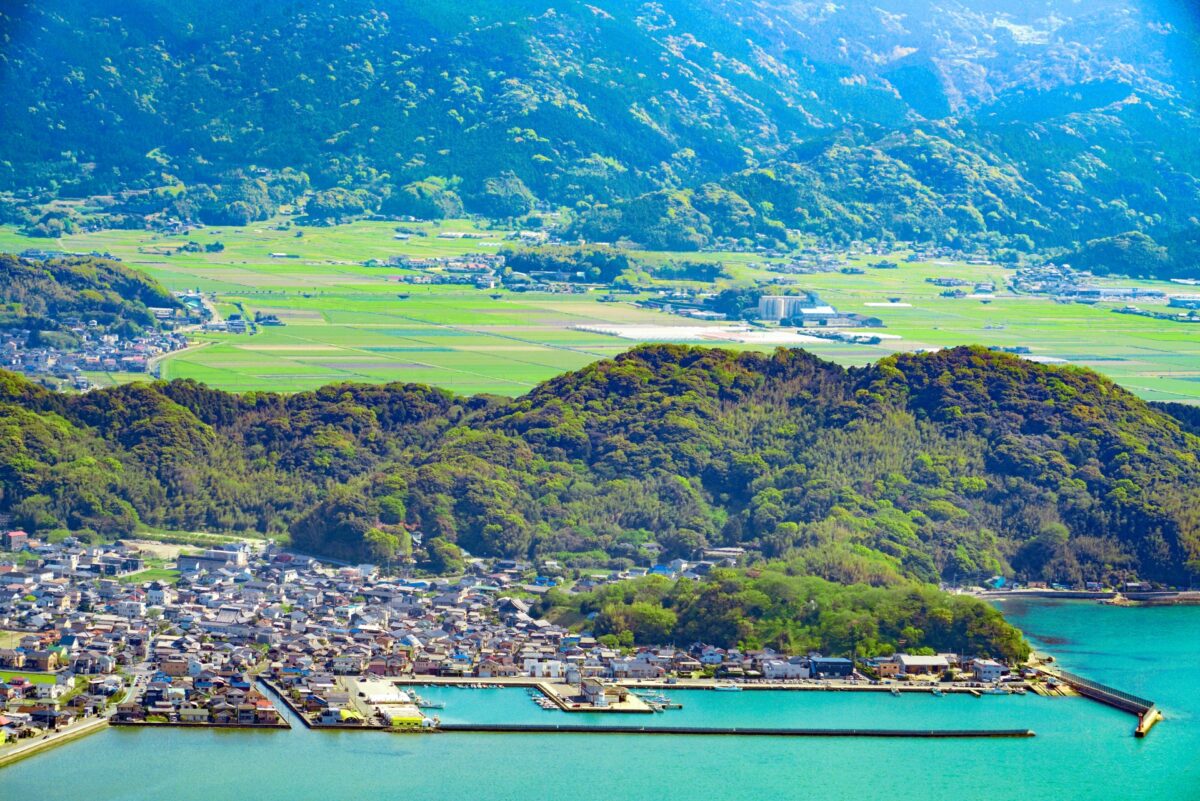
[940, 467]
[1010, 125]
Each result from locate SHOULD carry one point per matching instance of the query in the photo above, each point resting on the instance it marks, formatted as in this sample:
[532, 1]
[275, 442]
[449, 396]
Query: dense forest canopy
[950, 466]
[779, 607]
[675, 124]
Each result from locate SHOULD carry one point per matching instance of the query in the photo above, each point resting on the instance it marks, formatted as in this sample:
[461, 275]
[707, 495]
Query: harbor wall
[566, 728]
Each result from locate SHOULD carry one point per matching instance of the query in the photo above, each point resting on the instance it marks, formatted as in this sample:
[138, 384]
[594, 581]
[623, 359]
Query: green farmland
[348, 322]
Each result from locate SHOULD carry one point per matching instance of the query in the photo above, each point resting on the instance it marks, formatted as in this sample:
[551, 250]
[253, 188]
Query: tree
[381, 544]
[444, 557]
[504, 196]
[431, 198]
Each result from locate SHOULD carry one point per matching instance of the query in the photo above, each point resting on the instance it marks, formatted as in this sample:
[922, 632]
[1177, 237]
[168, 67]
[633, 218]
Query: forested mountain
[1012, 123]
[954, 465]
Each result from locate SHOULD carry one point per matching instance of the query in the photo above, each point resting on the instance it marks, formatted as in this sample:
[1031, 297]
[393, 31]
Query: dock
[568, 728]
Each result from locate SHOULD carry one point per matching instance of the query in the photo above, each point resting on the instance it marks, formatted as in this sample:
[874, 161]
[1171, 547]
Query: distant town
[100, 352]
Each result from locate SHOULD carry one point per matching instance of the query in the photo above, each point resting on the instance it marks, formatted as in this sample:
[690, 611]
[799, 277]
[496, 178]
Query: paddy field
[345, 321]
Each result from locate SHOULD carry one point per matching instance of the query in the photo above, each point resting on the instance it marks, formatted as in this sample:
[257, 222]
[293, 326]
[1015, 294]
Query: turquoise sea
[1082, 750]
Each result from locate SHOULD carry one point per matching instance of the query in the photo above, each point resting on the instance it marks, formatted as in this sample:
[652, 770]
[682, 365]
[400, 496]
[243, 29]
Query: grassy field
[1157, 359]
[166, 576]
[35, 678]
[347, 322]
[169, 543]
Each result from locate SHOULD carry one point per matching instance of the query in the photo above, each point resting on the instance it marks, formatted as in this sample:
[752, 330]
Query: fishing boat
[994, 691]
[895, 692]
[728, 687]
[425, 703]
[937, 692]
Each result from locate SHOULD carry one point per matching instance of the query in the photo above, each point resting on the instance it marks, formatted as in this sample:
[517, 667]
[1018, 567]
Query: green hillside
[948, 466]
[53, 294]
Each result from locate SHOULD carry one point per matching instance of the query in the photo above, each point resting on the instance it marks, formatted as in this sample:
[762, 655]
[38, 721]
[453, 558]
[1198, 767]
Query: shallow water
[1083, 750]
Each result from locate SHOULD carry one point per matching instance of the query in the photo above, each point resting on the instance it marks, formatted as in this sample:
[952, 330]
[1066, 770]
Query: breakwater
[567, 728]
[1144, 597]
[1145, 709]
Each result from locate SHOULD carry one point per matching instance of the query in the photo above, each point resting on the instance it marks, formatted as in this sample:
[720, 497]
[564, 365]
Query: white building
[130, 608]
[545, 669]
[913, 665]
[989, 670]
[779, 669]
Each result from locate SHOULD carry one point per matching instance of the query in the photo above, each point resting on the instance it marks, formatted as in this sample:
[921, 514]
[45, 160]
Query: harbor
[1070, 731]
[507, 706]
[419, 704]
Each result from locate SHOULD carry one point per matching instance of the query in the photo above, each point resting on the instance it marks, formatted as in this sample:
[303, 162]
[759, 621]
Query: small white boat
[729, 687]
[895, 692]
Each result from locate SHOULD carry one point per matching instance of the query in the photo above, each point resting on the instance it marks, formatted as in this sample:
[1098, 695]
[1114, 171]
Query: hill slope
[954, 465]
[986, 121]
[48, 295]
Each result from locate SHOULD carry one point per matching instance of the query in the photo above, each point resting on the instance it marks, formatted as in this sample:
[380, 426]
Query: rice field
[348, 322]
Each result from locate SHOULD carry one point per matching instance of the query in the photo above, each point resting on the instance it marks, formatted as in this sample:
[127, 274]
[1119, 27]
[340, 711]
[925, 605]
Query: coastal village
[229, 635]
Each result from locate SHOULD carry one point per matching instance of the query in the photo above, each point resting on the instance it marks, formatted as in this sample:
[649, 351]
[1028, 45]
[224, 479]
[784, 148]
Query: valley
[345, 321]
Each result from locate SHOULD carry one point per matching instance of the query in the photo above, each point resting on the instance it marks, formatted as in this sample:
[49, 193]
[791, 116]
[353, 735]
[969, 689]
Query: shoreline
[23, 751]
[922, 686]
[1114, 598]
[1148, 716]
[282, 725]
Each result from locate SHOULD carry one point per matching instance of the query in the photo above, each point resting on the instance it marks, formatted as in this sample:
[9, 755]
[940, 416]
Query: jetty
[568, 728]
[1147, 711]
